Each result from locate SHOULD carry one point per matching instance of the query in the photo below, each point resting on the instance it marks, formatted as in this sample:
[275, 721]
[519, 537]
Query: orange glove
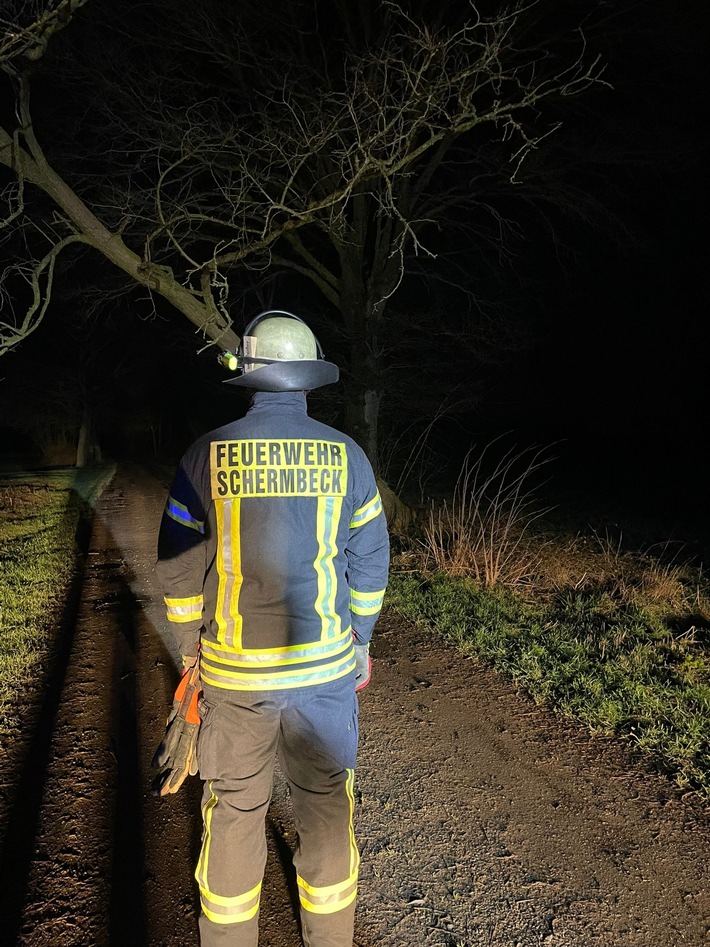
[175, 757]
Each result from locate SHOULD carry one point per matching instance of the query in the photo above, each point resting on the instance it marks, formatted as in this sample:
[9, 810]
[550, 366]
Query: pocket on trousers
[204, 708]
[205, 743]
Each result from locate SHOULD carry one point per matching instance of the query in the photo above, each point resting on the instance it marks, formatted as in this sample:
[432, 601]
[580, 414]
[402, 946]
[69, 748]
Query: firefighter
[273, 558]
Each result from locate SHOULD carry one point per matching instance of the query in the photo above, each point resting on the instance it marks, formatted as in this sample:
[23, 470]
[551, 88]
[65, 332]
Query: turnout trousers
[314, 730]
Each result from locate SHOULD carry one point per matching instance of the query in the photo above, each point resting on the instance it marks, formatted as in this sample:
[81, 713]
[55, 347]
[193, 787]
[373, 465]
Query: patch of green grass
[617, 666]
[39, 515]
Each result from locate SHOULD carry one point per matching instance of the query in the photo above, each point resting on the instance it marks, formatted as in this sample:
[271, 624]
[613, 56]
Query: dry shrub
[491, 530]
[582, 562]
[483, 531]
[600, 563]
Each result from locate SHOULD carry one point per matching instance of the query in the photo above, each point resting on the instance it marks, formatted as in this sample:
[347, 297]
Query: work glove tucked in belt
[363, 666]
[175, 757]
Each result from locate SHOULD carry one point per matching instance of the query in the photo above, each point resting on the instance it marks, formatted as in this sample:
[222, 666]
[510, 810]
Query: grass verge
[619, 664]
[39, 517]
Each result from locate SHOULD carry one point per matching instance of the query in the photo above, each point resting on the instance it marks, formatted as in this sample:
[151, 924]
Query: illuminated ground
[482, 820]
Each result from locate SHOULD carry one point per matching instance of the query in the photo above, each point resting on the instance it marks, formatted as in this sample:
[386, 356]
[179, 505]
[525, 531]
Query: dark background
[611, 370]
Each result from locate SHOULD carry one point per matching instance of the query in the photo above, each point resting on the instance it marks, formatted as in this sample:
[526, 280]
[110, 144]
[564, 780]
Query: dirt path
[483, 821]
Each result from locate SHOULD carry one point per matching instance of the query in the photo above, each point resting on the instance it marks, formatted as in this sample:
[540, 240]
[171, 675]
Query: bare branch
[212, 321]
[333, 167]
[30, 42]
[40, 278]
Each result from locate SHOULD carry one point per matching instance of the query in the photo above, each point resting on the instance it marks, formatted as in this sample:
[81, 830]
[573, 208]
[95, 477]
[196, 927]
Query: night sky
[617, 379]
[614, 368]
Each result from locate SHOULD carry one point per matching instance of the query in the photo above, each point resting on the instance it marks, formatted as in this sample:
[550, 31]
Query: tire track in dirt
[22, 801]
[85, 880]
[109, 864]
[66, 888]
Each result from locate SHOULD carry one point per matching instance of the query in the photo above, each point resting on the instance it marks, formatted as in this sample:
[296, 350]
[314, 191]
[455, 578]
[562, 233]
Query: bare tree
[73, 221]
[329, 149]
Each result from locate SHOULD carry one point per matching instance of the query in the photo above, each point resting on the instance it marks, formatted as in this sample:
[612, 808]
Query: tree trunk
[88, 450]
[362, 419]
[363, 384]
[83, 446]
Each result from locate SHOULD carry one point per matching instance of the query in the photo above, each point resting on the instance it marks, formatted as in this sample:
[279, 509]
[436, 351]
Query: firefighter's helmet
[278, 352]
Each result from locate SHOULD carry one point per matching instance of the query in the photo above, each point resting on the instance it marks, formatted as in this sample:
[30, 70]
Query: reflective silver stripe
[366, 603]
[278, 656]
[367, 512]
[184, 609]
[203, 862]
[180, 513]
[327, 519]
[221, 910]
[327, 899]
[229, 620]
[220, 675]
[327, 903]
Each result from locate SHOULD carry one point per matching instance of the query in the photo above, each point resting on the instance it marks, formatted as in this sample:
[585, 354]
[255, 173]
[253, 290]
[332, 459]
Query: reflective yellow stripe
[278, 657]
[184, 609]
[359, 610]
[236, 539]
[228, 679]
[354, 853]
[367, 512]
[228, 918]
[328, 899]
[179, 602]
[328, 514]
[326, 891]
[181, 619]
[229, 569]
[219, 562]
[237, 901]
[366, 603]
[202, 863]
[234, 910]
[218, 908]
[330, 907]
